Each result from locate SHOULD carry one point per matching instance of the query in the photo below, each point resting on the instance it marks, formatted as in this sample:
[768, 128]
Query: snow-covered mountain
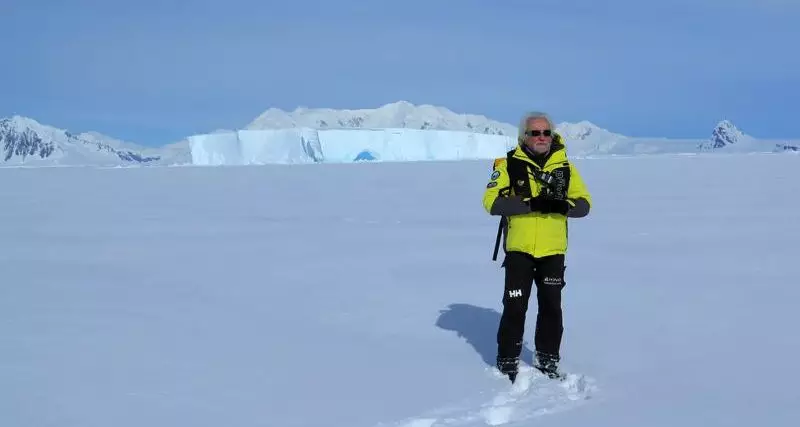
[584, 138]
[723, 135]
[726, 137]
[401, 114]
[405, 115]
[26, 142]
[584, 130]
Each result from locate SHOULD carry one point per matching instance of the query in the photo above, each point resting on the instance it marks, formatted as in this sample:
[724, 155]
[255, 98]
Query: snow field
[365, 295]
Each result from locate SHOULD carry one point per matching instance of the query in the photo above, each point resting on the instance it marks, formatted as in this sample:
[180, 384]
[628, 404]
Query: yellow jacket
[535, 233]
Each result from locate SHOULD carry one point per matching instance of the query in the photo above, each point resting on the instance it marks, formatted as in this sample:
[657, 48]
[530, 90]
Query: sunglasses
[546, 132]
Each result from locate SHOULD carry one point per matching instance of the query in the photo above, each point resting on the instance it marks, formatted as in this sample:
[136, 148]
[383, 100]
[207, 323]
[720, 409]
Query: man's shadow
[478, 326]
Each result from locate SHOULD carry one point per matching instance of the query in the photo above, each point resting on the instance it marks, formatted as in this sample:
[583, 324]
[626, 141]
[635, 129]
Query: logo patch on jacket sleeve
[495, 175]
[491, 184]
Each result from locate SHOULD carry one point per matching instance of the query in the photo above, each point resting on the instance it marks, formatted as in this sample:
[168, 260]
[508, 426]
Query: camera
[544, 177]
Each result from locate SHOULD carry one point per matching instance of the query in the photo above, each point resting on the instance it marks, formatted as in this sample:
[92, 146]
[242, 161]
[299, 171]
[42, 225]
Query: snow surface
[365, 295]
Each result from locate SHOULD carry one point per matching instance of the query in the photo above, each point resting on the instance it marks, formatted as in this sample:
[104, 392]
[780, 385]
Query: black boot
[548, 364]
[508, 366]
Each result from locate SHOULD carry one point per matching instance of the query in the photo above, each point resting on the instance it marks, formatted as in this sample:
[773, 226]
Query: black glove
[545, 205]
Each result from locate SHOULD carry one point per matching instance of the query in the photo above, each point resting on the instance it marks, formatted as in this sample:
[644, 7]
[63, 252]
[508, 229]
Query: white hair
[523, 123]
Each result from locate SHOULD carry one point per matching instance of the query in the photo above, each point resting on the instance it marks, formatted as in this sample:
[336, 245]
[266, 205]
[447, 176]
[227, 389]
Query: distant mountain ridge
[24, 141]
[584, 137]
[727, 137]
[401, 114]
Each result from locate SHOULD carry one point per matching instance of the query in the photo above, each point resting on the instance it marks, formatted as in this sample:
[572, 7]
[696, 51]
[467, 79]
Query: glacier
[349, 145]
[309, 145]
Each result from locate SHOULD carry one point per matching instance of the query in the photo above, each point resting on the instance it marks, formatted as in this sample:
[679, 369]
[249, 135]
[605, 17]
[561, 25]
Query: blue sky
[153, 72]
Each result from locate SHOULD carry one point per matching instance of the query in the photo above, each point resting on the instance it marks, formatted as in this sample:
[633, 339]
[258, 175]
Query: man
[536, 189]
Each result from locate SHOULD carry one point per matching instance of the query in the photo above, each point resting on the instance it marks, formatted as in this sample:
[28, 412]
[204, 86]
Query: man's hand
[545, 205]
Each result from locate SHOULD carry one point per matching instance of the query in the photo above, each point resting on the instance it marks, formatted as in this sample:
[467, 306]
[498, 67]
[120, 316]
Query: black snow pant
[521, 272]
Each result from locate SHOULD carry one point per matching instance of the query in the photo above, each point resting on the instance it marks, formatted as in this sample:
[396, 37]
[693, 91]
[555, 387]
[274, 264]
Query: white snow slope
[365, 296]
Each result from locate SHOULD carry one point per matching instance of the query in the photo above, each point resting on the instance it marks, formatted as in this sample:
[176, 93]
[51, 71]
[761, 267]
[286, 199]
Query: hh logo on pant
[515, 293]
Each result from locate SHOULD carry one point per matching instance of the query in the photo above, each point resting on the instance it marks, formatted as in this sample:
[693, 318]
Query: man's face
[538, 135]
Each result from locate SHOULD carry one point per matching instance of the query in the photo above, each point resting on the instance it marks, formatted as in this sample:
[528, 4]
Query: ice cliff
[307, 145]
